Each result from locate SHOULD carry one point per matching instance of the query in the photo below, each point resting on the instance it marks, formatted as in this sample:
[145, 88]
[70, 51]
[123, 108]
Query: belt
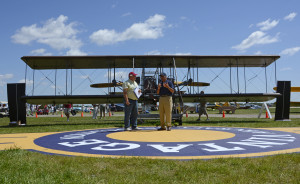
[130, 99]
[164, 95]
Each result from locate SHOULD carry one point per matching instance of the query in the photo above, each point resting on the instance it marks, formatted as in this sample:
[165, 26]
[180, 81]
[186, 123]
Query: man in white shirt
[131, 102]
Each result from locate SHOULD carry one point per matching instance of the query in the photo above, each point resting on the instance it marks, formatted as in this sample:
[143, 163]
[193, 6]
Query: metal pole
[33, 82]
[266, 77]
[180, 99]
[115, 76]
[25, 77]
[55, 81]
[237, 73]
[71, 80]
[275, 74]
[245, 79]
[67, 82]
[230, 80]
[198, 76]
[133, 64]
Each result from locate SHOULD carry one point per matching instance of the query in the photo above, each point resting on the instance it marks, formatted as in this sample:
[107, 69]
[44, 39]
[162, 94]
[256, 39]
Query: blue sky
[194, 27]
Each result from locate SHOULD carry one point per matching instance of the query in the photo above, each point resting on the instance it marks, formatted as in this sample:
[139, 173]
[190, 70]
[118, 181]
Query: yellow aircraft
[293, 89]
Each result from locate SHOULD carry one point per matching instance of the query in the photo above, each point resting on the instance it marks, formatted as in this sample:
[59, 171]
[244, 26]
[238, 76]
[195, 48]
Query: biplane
[155, 61]
[148, 84]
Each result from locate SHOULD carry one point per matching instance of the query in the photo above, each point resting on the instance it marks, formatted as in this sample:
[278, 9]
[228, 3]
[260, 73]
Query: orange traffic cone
[36, 116]
[186, 114]
[223, 114]
[61, 114]
[90, 112]
[81, 114]
[267, 115]
[109, 114]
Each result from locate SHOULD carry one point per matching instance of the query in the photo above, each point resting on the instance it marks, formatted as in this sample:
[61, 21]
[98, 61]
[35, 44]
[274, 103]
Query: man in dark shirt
[165, 90]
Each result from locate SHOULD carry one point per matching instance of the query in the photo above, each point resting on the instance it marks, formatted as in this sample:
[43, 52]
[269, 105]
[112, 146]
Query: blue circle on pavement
[244, 141]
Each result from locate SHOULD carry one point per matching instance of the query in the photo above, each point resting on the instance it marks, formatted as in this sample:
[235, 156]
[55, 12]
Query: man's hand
[166, 85]
[127, 103]
[159, 86]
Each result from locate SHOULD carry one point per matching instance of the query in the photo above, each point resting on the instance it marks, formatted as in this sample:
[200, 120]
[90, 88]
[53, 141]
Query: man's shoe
[207, 119]
[168, 128]
[160, 129]
[136, 128]
[198, 119]
[127, 129]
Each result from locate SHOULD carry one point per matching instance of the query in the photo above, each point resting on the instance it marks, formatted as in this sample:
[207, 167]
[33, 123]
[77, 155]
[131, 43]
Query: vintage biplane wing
[146, 61]
[246, 97]
[74, 99]
[118, 98]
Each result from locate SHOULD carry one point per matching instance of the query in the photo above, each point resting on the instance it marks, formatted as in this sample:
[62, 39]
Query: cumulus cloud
[258, 53]
[290, 51]
[286, 69]
[256, 38]
[290, 17]
[4, 78]
[153, 52]
[267, 25]
[28, 82]
[40, 52]
[55, 33]
[126, 14]
[152, 28]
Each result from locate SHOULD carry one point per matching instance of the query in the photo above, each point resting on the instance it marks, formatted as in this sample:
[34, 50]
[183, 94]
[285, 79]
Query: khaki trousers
[165, 110]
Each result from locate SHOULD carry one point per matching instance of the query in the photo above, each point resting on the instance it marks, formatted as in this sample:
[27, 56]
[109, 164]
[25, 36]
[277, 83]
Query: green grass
[21, 166]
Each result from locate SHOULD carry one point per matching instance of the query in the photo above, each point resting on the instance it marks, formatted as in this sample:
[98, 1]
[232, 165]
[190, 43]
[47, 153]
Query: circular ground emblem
[180, 143]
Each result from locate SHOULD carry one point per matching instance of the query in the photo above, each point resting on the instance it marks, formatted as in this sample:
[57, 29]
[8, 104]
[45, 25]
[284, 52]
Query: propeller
[105, 85]
[191, 83]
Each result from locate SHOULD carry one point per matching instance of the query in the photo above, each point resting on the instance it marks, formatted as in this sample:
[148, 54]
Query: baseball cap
[162, 74]
[132, 74]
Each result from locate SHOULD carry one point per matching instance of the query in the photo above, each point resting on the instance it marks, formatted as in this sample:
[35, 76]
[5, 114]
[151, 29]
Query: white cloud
[54, 32]
[290, 17]
[28, 82]
[4, 78]
[290, 51]
[183, 53]
[126, 14]
[256, 38]
[267, 25]
[286, 69]
[150, 29]
[258, 53]
[153, 52]
[40, 52]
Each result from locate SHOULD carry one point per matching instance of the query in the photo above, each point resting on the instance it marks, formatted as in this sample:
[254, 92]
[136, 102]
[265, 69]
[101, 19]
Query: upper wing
[146, 61]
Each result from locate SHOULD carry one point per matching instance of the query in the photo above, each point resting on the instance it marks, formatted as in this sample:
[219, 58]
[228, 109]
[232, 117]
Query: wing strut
[180, 96]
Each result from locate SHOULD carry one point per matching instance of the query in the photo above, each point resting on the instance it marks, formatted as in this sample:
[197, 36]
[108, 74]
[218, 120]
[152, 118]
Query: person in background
[95, 111]
[102, 110]
[165, 91]
[202, 108]
[67, 110]
[130, 102]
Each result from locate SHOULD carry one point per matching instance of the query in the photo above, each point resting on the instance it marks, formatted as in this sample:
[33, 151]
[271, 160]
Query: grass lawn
[21, 166]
